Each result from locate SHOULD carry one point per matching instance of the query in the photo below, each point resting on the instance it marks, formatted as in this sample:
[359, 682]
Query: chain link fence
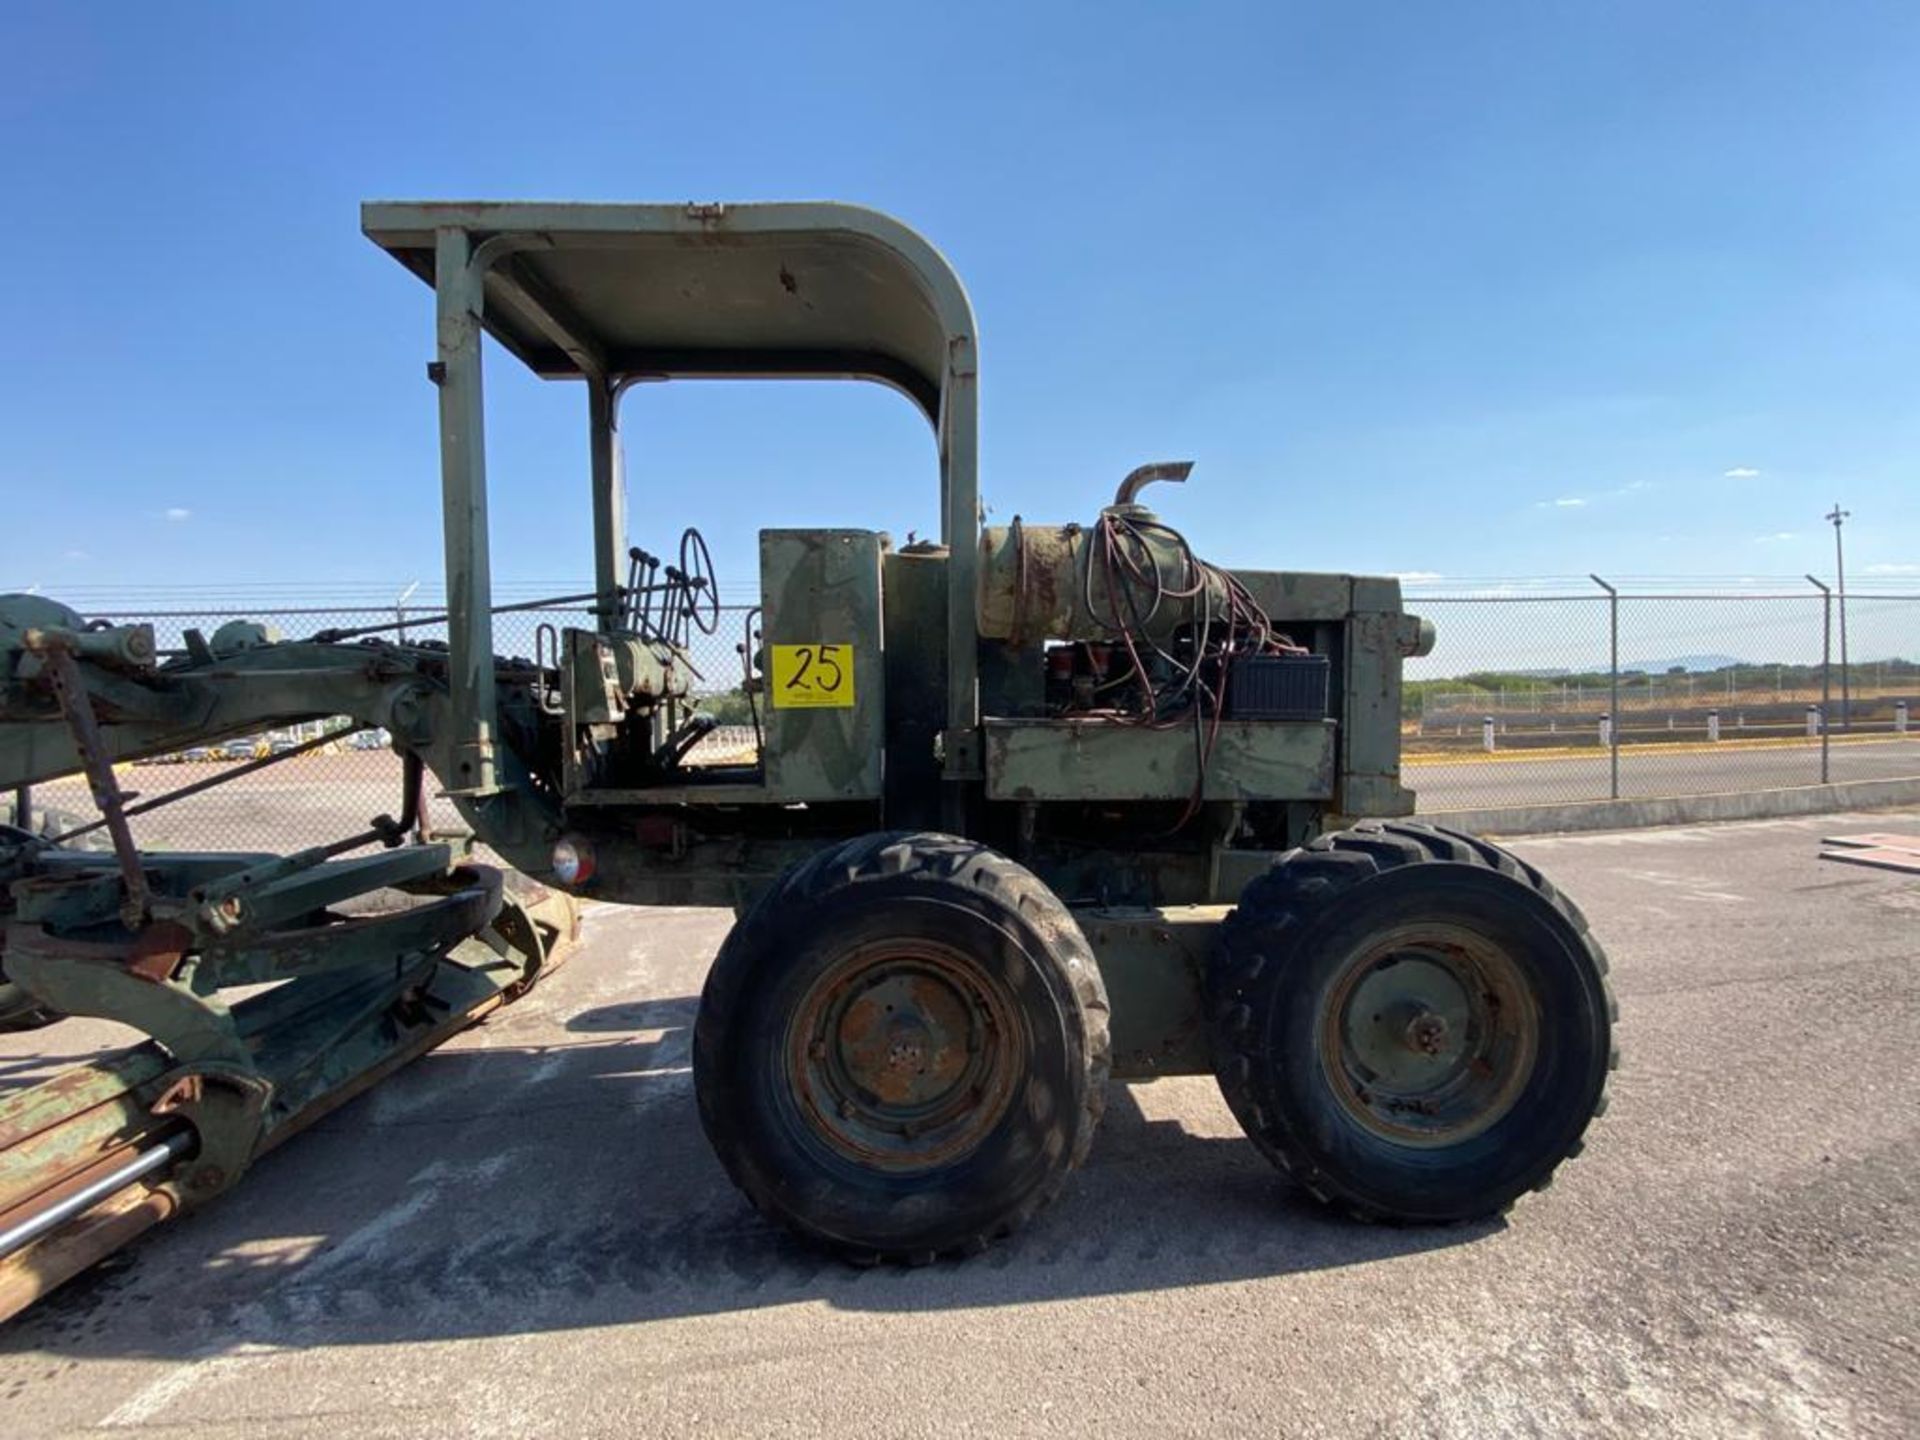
[334, 789]
[1527, 699]
[1550, 698]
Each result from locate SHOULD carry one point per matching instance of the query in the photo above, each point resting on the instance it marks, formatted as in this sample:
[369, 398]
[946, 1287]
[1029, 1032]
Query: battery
[1278, 687]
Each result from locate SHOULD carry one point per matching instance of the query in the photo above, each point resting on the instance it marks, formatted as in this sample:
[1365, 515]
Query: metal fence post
[1826, 673]
[1613, 683]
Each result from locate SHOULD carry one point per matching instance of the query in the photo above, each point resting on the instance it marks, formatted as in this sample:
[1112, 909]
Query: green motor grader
[1026, 808]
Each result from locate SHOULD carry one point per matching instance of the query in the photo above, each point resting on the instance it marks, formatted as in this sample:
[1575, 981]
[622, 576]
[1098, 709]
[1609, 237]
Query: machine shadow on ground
[522, 1189]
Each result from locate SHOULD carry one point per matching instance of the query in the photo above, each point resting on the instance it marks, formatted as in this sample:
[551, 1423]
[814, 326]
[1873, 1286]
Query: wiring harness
[1180, 678]
[1159, 686]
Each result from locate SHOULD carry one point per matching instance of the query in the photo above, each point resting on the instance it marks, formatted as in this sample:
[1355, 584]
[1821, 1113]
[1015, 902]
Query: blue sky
[1463, 289]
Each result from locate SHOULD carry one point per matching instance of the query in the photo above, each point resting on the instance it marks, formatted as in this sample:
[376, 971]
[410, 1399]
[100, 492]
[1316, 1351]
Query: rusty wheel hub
[1429, 1035]
[904, 1055]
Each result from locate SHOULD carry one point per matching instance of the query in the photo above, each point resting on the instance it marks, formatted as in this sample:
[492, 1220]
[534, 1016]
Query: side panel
[1095, 760]
[1370, 769]
[826, 675]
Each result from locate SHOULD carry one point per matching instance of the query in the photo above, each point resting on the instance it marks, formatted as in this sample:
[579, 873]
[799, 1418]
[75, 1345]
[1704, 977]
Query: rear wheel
[901, 1050]
[1411, 1022]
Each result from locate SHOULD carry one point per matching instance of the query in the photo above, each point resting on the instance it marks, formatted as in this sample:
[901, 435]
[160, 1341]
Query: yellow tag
[812, 677]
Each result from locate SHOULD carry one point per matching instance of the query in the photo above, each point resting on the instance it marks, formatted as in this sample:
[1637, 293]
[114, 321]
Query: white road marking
[203, 1365]
[1688, 887]
[210, 1361]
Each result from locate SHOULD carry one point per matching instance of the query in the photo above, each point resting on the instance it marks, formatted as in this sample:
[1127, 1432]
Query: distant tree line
[1737, 679]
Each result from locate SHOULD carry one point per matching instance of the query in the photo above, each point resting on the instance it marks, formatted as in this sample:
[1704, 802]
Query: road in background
[525, 1233]
[1477, 782]
[313, 799]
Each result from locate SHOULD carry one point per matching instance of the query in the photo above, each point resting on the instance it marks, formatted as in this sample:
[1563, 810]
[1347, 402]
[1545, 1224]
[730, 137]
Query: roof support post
[459, 303]
[609, 497]
[960, 530]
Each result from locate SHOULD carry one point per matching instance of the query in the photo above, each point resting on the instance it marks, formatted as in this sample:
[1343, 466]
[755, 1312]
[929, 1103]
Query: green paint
[944, 721]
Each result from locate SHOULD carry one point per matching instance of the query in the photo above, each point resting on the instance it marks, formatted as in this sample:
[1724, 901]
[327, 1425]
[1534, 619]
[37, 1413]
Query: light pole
[1838, 517]
[400, 608]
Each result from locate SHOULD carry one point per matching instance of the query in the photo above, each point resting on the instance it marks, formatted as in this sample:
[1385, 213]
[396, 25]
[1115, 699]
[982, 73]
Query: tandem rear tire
[1411, 1022]
[901, 1051]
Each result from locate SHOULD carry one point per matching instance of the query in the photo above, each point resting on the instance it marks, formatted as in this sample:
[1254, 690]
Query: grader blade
[100, 1153]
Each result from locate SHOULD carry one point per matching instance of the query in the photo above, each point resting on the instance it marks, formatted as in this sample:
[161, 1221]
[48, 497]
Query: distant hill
[1683, 662]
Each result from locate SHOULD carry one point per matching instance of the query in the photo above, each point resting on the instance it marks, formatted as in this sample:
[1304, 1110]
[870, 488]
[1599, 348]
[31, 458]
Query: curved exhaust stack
[1173, 471]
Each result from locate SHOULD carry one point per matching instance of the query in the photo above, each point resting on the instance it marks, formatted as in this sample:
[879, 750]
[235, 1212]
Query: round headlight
[572, 861]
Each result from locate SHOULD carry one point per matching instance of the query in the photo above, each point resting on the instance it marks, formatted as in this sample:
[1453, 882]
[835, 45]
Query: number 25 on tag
[812, 676]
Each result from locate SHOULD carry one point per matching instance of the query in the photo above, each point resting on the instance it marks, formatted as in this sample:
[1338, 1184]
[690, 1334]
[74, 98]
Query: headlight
[572, 861]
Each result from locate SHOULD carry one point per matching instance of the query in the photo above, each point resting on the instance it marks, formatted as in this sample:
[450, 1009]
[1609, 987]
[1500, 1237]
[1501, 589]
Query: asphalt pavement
[525, 1234]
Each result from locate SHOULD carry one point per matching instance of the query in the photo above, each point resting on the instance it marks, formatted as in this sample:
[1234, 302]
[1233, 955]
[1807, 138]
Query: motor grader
[1028, 807]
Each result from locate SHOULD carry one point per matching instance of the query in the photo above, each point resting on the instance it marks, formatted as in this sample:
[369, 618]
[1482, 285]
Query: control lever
[687, 734]
[673, 605]
[641, 568]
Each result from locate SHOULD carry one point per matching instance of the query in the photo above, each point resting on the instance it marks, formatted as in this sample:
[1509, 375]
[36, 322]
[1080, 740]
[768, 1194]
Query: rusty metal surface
[422, 930]
[155, 951]
[1428, 1035]
[905, 1054]
[32, 1273]
[1173, 472]
[358, 995]
[26, 1113]
[30, 1168]
[76, 703]
[56, 1138]
[1034, 584]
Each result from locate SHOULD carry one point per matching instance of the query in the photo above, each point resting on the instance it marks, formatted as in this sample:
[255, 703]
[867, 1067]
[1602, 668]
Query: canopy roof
[615, 292]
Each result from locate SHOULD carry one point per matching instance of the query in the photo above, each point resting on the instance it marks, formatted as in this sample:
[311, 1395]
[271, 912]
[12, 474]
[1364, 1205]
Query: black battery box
[1278, 687]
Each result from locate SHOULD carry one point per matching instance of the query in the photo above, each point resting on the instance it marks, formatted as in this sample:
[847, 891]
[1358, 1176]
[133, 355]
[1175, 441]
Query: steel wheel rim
[903, 1055]
[1429, 1035]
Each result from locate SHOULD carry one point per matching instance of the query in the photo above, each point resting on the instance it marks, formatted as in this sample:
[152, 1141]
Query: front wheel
[1411, 1022]
[901, 1050]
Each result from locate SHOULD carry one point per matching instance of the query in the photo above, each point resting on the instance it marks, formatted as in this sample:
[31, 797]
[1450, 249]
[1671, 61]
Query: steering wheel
[701, 589]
